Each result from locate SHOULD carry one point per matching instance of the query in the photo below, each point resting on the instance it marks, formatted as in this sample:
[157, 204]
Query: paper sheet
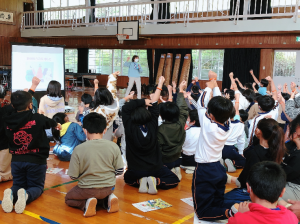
[53, 170]
[151, 205]
[189, 201]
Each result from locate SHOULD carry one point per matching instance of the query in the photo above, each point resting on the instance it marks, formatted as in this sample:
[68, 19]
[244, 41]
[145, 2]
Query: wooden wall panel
[264, 41]
[266, 63]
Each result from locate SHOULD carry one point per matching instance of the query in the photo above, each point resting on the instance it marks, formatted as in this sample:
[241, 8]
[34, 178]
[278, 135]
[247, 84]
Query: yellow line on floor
[184, 219]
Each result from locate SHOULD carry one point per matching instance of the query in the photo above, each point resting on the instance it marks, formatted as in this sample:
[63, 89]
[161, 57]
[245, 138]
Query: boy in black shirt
[29, 147]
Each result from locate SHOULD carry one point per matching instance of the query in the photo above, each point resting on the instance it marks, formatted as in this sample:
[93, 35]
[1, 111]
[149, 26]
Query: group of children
[204, 132]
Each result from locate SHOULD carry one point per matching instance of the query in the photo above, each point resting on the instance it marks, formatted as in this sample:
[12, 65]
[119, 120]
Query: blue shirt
[262, 90]
[134, 70]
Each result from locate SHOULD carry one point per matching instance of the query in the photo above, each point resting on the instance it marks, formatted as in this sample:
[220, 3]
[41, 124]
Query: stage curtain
[83, 60]
[183, 52]
[150, 65]
[240, 62]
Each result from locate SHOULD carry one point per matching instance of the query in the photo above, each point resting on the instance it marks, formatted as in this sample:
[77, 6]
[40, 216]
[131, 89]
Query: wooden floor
[51, 204]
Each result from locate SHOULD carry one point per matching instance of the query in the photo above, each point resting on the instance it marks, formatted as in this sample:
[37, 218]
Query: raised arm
[273, 88]
[233, 84]
[253, 85]
[127, 63]
[170, 88]
[158, 90]
[240, 84]
[236, 104]
[183, 108]
[96, 83]
[205, 96]
[112, 84]
[35, 82]
[254, 78]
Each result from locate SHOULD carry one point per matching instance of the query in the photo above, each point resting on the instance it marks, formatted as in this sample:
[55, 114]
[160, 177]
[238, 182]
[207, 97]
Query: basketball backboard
[131, 28]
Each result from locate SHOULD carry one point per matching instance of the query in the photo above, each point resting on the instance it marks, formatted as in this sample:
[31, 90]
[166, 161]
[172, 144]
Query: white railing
[167, 11]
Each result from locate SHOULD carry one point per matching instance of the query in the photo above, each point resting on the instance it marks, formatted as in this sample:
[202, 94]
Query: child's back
[95, 163]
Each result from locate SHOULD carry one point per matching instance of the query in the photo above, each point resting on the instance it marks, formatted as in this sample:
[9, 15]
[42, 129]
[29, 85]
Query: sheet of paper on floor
[151, 205]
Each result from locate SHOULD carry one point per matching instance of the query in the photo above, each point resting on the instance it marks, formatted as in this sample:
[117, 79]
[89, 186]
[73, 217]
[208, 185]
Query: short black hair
[94, 123]
[267, 180]
[248, 86]
[231, 93]
[285, 96]
[103, 97]
[193, 114]
[133, 57]
[2, 92]
[195, 89]
[221, 108]
[165, 91]
[249, 94]
[244, 115]
[264, 82]
[257, 95]
[169, 111]
[58, 118]
[295, 123]
[141, 116]
[54, 89]
[86, 98]
[21, 100]
[266, 103]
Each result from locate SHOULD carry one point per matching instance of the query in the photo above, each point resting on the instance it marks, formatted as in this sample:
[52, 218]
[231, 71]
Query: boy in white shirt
[210, 177]
[269, 108]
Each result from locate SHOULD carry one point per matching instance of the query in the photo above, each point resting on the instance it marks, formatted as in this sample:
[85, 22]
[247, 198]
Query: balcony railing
[168, 11]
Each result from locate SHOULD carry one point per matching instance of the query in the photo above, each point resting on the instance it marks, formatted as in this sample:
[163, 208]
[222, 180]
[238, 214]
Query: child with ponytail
[67, 138]
[271, 147]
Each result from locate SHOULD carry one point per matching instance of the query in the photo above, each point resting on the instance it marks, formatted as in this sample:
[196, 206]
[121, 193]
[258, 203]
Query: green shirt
[94, 163]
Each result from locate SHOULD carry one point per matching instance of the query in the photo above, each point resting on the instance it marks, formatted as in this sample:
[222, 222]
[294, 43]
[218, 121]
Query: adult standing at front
[134, 75]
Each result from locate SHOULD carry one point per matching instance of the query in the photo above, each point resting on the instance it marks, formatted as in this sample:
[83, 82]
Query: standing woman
[134, 75]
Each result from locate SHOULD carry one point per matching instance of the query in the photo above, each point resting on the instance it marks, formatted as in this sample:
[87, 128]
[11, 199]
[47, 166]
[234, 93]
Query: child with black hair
[265, 184]
[271, 147]
[95, 163]
[254, 109]
[144, 157]
[194, 88]
[86, 100]
[70, 135]
[210, 177]
[244, 119]
[29, 147]
[231, 154]
[171, 133]
[5, 156]
[269, 108]
[190, 143]
[262, 85]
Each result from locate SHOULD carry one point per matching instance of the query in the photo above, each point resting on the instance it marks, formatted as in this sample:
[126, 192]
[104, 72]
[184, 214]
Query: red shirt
[262, 215]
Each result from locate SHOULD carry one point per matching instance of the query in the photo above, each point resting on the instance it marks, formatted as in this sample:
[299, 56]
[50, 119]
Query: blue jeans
[29, 176]
[237, 195]
[230, 152]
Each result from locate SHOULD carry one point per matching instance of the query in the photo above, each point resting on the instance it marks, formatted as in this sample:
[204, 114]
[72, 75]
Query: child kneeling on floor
[70, 135]
[29, 147]
[95, 163]
[266, 183]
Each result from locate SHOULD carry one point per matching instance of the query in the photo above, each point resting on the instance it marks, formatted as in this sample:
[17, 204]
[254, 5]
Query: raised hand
[196, 79]
[182, 85]
[96, 81]
[251, 71]
[128, 58]
[116, 73]
[231, 75]
[148, 102]
[161, 80]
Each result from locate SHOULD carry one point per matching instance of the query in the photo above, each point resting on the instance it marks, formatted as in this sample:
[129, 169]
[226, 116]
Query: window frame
[75, 57]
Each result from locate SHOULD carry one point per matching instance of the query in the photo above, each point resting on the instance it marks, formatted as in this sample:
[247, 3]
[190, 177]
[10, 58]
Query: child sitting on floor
[144, 157]
[171, 133]
[86, 100]
[266, 183]
[70, 135]
[95, 164]
[191, 141]
[29, 147]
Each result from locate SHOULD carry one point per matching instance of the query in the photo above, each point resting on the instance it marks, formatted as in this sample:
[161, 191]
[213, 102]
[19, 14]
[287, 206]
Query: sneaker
[230, 166]
[152, 185]
[234, 209]
[222, 162]
[143, 185]
[173, 170]
[90, 207]
[7, 202]
[21, 202]
[190, 169]
[113, 203]
[178, 172]
[229, 179]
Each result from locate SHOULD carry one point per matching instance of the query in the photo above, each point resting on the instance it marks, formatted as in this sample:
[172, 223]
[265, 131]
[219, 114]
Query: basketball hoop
[122, 37]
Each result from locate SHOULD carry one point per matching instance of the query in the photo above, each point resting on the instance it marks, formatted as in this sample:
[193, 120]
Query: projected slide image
[42, 70]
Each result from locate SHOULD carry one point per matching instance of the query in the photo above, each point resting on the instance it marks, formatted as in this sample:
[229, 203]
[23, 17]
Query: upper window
[285, 63]
[71, 57]
[62, 3]
[206, 60]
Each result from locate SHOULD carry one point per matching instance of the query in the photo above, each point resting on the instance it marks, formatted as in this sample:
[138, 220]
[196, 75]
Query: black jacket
[27, 137]
[291, 163]
[4, 111]
[142, 153]
[256, 155]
